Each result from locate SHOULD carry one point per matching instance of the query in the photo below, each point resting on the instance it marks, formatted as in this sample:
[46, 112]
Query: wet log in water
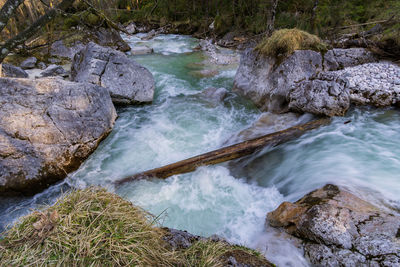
[227, 153]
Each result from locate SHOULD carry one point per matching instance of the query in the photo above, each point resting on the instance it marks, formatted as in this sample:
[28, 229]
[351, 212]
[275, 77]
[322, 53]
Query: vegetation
[284, 42]
[92, 227]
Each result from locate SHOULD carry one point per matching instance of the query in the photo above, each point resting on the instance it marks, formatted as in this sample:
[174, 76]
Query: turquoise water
[232, 199]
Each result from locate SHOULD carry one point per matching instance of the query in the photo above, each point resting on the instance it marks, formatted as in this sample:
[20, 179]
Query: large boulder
[326, 94]
[280, 85]
[12, 71]
[54, 70]
[47, 128]
[127, 81]
[268, 82]
[340, 229]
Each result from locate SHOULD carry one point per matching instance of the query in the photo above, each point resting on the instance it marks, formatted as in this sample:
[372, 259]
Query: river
[360, 151]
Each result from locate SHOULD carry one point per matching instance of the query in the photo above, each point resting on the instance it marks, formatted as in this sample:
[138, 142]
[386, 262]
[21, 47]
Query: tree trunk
[33, 29]
[227, 153]
[271, 20]
[313, 15]
[7, 11]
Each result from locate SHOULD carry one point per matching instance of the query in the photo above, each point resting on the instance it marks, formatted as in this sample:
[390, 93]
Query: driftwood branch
[7, 11]
[227, 153]
[12, 43]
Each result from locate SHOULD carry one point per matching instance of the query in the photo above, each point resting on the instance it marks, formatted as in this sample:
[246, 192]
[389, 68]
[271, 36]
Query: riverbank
[94, 227]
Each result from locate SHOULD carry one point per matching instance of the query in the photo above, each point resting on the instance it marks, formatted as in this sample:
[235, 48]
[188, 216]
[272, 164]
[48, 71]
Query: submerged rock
[13, 71]
[48, 127]
[215, 94]
[339, 229]
[141, 50]
[29, 63]
[127, 81]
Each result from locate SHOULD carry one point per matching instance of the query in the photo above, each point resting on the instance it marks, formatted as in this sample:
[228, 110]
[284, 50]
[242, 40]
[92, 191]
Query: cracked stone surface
[127, 81]
[339, 229]
[48, 127]
[295, 83]
[327, 94]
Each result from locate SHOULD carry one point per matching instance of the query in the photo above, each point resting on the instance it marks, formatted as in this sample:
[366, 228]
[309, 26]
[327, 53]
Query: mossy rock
[283, 43]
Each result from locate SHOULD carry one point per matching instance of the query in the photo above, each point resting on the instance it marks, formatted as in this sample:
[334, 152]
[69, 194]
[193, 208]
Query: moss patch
[283, 43]
[92, 227]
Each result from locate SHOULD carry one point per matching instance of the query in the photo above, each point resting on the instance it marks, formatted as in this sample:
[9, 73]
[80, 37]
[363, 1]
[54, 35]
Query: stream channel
[230, 199]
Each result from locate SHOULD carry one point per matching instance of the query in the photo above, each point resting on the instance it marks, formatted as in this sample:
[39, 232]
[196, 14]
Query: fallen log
[227, 153]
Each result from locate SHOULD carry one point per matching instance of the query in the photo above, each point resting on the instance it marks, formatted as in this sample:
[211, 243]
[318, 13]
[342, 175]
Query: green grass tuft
[92, 227]
[284, 42]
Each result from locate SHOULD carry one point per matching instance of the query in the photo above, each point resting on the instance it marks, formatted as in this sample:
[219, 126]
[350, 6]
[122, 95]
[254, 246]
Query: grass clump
[284, 42]
[86, 228]
[92, 227]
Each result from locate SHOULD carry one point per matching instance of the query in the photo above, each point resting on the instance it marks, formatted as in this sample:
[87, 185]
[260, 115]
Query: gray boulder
[324, 95]
[127, 81]
[268, 83]
[131, 28]
[13, 71]
[295, 83]
[340, 229]
[42, 65]
[338, 58]
[48, 127]
[29, 63]
[59, 49]
[54, 70]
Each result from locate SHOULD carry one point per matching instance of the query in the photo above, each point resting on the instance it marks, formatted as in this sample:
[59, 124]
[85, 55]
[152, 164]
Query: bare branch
[7, 11]
[33, 29]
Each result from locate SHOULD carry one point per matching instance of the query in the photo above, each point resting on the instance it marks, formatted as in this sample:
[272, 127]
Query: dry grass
[284, 42]
[87, 228]
[92, 227]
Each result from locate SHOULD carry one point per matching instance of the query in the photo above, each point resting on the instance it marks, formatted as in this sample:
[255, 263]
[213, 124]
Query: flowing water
[232, 199]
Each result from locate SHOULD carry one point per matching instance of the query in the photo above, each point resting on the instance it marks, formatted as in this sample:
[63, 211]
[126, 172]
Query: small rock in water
[215, 94]
[29, 63]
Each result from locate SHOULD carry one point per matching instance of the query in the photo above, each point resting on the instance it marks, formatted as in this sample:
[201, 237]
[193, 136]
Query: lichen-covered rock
[325, 94]
[340, 229]
[48, 127]
[268, 83]
[29, 63]
[127, 81]
[13, 71]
